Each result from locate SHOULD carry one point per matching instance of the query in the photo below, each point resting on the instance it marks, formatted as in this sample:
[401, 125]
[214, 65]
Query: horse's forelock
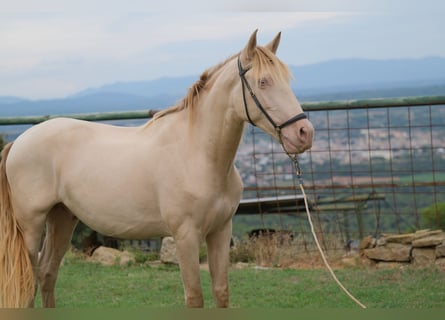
[266, 63]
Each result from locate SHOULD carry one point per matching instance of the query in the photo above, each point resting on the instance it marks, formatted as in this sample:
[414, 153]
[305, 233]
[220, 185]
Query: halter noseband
[245, 84]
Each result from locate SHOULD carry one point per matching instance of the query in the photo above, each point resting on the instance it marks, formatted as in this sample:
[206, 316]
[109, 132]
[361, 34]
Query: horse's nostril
[303, 133]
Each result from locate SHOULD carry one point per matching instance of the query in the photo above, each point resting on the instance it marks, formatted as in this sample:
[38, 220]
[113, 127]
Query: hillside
[358, 73]
[332, 80]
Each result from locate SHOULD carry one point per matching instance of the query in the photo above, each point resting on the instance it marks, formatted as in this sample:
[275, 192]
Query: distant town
[339, 148]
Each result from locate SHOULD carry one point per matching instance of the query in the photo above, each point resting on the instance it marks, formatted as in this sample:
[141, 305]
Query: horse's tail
[17, 284]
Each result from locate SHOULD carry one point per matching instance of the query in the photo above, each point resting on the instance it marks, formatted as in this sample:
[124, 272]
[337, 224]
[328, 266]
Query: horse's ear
[249, 49]
[273, 45]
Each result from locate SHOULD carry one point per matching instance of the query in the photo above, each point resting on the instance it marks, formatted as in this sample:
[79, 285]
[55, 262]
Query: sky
[53, 48]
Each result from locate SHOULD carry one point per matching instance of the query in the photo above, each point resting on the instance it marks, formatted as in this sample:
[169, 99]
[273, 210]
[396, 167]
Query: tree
[2, 142]
[434, 215]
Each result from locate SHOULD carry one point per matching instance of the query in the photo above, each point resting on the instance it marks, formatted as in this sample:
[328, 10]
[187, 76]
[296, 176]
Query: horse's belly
[138, 231]
[126, 225]
[118, 214]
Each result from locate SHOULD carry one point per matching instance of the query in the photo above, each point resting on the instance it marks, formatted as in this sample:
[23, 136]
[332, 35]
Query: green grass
[84, 284]
[423, 177]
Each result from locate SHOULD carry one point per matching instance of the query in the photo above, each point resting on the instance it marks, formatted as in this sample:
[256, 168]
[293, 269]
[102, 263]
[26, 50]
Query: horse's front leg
[218, 247]
[187, 248]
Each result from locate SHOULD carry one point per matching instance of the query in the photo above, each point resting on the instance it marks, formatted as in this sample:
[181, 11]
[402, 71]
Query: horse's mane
[264, 62]
[193, 92]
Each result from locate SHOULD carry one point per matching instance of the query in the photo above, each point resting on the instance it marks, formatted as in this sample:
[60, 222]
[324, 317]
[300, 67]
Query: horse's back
[47, 147]
[58, 131]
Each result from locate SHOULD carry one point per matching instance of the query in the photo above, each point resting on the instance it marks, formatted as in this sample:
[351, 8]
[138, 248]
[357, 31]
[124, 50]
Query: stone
[381, 242]
[365, 262]
[440, 264]
[349, 262]
[399, 238]
[440, 250]
[241, 265]
[409, 237]
[422, 231]
[390, 252]
[109, 256]
[168, 251]
[366, 243]
[423, 257]
[426, 233]
[391, 265]
[429, 241]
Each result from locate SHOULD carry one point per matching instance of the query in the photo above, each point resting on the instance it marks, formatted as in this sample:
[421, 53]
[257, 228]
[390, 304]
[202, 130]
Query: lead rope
[294, 159]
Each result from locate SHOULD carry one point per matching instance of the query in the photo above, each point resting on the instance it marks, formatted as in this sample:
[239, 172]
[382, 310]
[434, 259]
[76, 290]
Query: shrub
[434, 215]
[268, 250]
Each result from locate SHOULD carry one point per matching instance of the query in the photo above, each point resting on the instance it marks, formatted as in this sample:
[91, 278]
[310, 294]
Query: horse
[173, 175]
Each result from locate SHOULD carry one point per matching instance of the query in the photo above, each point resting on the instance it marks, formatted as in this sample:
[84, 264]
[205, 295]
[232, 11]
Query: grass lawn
[84, 284]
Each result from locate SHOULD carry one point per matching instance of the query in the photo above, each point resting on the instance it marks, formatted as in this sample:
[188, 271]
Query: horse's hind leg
[32, 235]
[59, 229]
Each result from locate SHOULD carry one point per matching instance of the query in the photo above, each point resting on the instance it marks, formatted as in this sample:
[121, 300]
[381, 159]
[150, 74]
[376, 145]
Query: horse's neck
[216, 130]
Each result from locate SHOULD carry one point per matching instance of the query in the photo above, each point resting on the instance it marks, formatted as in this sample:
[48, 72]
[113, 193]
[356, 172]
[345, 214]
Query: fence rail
[99, 116]
[308, 106]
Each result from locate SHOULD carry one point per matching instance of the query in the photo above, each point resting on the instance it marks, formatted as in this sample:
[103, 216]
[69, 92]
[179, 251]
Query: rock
[109, 256]
[429, 241]
[168, 251]
[381, 242]
[399, 238]
[391, 265]
[366, 262]
[440, 251]
[423, 257]
[410, 237]
[422, 231]
[349, 262]
[390, 252]
[366, 243]
[426, 233]
[241, 265]
[422, 248]
[440, 264]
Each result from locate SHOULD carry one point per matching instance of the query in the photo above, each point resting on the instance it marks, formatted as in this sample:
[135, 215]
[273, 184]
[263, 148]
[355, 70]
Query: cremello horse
[175, 175]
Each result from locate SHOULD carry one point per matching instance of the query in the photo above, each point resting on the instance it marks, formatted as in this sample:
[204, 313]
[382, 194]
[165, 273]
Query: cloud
[43, 44]
[62, 47]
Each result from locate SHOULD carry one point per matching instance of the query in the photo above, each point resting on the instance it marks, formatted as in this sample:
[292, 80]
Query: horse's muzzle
[298, 137]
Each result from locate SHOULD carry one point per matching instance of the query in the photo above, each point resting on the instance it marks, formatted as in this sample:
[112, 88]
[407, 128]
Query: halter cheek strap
[242, 72]
[245, 84]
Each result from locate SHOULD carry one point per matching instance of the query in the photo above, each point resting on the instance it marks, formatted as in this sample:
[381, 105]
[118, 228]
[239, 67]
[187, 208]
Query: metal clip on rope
[297, 169]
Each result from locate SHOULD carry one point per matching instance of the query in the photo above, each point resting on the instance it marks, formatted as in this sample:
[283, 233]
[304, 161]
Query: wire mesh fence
[372, 169]
[375, 166]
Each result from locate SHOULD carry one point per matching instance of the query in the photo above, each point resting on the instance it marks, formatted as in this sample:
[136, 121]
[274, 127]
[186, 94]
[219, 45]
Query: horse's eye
[262, 82]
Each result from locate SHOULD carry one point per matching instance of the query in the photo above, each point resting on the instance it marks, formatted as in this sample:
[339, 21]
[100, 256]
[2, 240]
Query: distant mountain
[162, 86]
[360, 73]
[11, 100]
[92, 103]
[332, 80]
[330, 76]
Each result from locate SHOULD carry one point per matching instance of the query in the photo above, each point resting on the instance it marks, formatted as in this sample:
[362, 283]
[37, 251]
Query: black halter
[245, 84]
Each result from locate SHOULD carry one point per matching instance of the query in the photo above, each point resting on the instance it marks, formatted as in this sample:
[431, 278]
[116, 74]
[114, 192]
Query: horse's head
[266, 98]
